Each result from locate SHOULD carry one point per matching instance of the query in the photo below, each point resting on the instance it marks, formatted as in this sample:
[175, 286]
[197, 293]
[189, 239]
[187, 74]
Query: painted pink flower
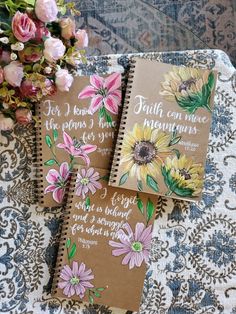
[75, 280]
[77, 149]
[135, 245]
[87, 181]
[104, 93]
[58, 182]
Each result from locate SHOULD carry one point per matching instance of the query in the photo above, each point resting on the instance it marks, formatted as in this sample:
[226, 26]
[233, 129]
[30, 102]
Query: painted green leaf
[50, 162]
[211, 80]
[87, 202]
[124, 178]
[72, 251]
[152, 183]
[105, 178]
[48, 141]
[91, 299]
[140, 204]
[55, 135]
[140, 185]
[176, 151]
[97, 294]
[150, 210]
[68, 242]
[101, 289]
[175, 140]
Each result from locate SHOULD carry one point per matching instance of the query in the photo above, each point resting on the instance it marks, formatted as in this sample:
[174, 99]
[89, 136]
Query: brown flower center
[144, 152]
[185, 85]
[183, 172]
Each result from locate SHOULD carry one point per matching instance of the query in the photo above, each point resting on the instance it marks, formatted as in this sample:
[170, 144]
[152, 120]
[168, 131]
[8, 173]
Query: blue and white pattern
[192, 266]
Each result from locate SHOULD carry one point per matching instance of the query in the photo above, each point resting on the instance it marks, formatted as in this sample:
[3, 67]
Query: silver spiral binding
[122, 128]
[66, 216]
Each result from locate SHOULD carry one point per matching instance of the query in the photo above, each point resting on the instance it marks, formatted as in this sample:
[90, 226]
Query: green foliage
[50, 162]
[152, 183]
[140, 204]
[124, 178]
[72, 252]
[48, 141]
[150, 210]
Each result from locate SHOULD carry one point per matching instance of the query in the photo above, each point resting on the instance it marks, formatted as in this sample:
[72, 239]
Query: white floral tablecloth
[193, 258]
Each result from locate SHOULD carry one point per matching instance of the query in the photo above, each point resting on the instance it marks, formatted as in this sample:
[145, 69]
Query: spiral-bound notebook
[105, 242]
[163, 136]
[75, 126]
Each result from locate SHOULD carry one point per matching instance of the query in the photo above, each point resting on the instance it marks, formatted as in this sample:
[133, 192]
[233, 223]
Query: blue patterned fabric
[192, 266]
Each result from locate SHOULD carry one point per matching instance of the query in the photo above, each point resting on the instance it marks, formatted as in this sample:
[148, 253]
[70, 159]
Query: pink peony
[53, 49]
[14, 73]
[28, 89]
[5, 123]
[63, 80]
[81, 37]
[87, 181]
[23, 115]
[30, 54]
[1, 75]
[135, 245]
[41, 30]
[58, 182]
[76, 149]
[104, 92]
[46, 10]
[67, 28]
[75, 280]
[23, 27]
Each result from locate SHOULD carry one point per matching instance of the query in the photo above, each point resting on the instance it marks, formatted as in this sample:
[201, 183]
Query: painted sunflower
[190, 87]
[182, 176]
[144, 151]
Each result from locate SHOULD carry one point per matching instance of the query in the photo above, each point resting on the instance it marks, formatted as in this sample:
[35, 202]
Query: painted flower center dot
[183, 172]
[185, 85]
[144, 152]
[102, 91]
[137, 246]
[84, 181]
[74, 281]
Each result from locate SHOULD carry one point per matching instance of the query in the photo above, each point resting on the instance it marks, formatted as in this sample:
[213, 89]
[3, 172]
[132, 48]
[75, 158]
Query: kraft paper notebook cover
[75, 126]
[163, 137]
[105, 242]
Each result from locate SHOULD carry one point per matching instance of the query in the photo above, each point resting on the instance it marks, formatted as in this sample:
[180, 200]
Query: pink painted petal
[127, 227]
[87, 284]
[87, 273]
[58, 195]
[90, 172]
[91, 188]
[88, 91]
[72, 291]
[146, 235]
[67, 139]
[66, 291]
[96, 103]
[112, 82]
[68, 270]
[61, 145]
[124, 238]
[81, 269]
[138, 230]
[119, 252]
[85, 159]
[81, 288]
[75, 268]
[132, 260]
[97, 81]
[97, 185]
[78, 190]
[49, 188]
[126, 259]
[88, 148]
[116, 244]
[64, 170]
[111, 104]
[52, 176]
[116, 94]
[83, 172]
[138, 259]
[62, 284]
[86, 278]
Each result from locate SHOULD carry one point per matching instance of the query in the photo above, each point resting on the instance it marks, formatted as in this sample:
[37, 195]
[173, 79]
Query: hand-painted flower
[135, 245]
[87, 181]
[104, 92]
[75, 280]
[23, 27]
[58, 182]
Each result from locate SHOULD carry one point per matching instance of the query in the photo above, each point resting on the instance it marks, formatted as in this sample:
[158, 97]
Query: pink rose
[5, 123]
[23, 27]
[81, 37]
[14, 73]
[46, 10]
[64, 80]
[30, 54]
[1, 75]
[53, 49]
[23, 115]
[29, 90]
[41, 30]
[67, 28]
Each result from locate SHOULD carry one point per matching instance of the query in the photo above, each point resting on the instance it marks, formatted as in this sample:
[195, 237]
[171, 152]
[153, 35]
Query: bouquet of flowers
[39, 48]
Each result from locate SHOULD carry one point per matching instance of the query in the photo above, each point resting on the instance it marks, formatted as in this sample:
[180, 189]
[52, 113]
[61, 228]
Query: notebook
[75, 126]
[163, 136]
[105, 242]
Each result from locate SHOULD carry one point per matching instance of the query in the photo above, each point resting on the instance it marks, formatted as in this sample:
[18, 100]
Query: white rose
[13, 73]
[5, 123]
[46, 10]
[63, 80]
[53, 49]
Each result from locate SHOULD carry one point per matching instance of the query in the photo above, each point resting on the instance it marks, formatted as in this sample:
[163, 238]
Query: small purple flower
[75, 281]
[87, 180]
[135, 245]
